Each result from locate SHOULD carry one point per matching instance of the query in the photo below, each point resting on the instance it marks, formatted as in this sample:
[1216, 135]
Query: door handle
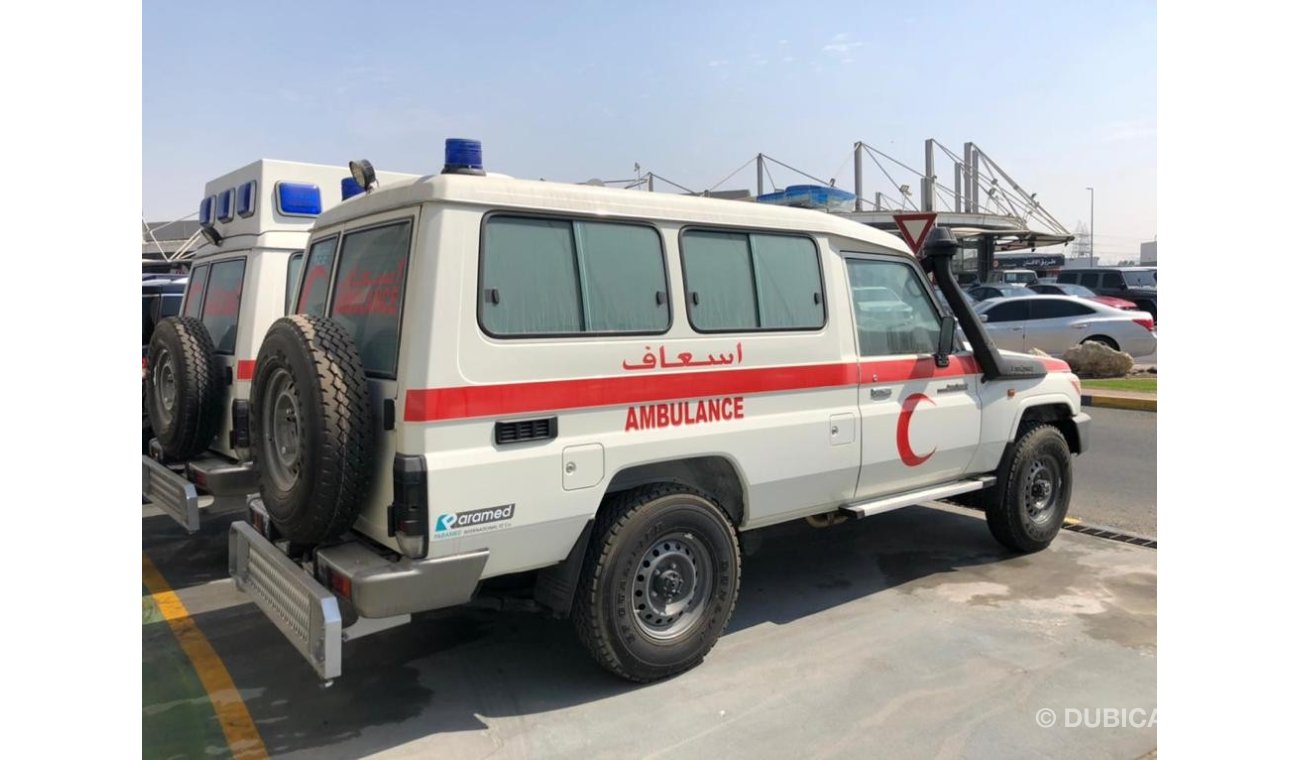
[953, 388]
[880, 393]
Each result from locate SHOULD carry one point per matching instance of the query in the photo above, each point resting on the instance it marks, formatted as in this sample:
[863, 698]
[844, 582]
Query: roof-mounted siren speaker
[463, 157]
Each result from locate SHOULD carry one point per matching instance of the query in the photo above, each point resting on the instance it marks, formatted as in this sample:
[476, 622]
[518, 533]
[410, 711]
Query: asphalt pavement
[908, 634]
[1115, 480]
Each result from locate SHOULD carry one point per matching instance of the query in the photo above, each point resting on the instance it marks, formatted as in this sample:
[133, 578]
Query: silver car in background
[1057, 323]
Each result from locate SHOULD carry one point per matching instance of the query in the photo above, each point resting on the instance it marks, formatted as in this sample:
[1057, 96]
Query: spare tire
[310, 427]
[183, 390]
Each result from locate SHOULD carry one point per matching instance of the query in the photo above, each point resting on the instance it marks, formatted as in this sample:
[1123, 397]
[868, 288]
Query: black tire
[183, 390]
[1102, 339]
[1023, 515]
[314, 467]
[682, 532]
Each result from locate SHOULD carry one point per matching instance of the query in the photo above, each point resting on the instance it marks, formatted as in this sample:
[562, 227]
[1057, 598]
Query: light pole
[1092, 230]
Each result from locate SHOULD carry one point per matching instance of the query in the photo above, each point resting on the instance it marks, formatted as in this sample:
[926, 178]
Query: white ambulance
[593, 393]
[255, 221]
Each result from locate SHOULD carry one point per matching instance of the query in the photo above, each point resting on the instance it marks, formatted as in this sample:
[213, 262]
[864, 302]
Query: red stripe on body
[428, 405]
[244, 369]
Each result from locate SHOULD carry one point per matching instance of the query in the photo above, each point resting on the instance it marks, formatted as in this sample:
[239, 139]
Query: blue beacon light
[463, 157]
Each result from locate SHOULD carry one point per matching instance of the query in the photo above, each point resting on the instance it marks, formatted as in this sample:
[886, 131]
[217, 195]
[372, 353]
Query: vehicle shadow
[445, 669]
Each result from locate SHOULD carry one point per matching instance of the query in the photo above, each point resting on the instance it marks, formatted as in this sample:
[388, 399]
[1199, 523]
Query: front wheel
[1033, 493]
[659, 583]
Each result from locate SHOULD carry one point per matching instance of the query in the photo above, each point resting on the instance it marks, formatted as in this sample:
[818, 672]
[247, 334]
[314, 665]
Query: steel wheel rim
[282, 430]
[1042, 490]
[670, 589]
[164, 383]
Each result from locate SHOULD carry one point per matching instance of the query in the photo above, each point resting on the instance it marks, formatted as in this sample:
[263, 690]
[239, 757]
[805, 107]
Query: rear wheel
[310, 428]
[660, 582]
[1104, 340]
[1029, 503]
[183, 392]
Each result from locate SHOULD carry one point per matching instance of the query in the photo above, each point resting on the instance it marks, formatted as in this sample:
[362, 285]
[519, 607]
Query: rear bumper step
[909, 498]
[172, 493]
[304, 610]
[382, 592]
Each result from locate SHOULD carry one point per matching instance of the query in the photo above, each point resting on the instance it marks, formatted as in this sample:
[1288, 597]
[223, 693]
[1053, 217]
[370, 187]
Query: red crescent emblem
[905, 452]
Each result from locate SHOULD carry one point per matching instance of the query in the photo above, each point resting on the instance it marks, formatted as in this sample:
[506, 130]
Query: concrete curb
[1134, 403]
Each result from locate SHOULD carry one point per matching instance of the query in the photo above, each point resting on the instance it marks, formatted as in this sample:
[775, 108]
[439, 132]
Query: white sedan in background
[1057, 323]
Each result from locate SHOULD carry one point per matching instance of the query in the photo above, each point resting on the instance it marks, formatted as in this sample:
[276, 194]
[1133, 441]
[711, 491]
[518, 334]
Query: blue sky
[1061, 95]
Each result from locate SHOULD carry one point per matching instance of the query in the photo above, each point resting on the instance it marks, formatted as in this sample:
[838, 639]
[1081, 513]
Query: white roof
[500, 192]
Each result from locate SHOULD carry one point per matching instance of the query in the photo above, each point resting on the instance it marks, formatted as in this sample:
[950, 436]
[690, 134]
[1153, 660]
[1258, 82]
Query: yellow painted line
[242, 736]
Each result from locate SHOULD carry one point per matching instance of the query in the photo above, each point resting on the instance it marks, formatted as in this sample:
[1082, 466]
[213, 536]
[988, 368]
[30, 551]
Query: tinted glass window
[565, 277]
[891, 309]
[1089, 279]
[719, 281]
[1141, 279]
[1068, 277]
[752, 281]
[368, 292]
[221, 304]
[621, 270]
[171, 305]
[291, 279]
[789, 282]
[194, 294]
[1112, 280]
[1011, 311]
[1057, 309]
[530, 277]
[315, 285]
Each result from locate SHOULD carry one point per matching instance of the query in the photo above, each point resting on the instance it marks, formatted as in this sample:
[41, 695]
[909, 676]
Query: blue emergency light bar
[350, 187]
[297, 199]
[205, 211]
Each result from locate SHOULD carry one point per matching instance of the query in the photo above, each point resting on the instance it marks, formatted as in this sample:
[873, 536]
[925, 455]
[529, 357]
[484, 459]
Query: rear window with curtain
[368, 292]
[291, 279]
[543, 276]
[221, 304]
[748, 281]
[194, 295]
[316, 281]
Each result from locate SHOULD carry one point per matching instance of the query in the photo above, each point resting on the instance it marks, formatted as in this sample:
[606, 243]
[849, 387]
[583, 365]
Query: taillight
[408, 516]
[1149, 324]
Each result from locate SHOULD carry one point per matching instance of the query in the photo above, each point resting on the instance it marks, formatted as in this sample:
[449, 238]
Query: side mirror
[984, 317]
[947, 329]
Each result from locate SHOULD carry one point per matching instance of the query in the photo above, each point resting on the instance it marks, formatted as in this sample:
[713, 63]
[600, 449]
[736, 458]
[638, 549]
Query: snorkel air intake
[937, 254]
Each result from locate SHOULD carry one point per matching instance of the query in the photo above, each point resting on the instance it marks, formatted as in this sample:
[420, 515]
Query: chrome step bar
[304, 610]
[875, 506]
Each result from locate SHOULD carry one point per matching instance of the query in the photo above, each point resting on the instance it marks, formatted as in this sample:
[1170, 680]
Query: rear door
[1005, 323]
[366, 297]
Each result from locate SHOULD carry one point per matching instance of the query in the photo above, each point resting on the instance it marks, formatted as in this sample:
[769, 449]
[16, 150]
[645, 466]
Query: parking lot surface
[910, 634]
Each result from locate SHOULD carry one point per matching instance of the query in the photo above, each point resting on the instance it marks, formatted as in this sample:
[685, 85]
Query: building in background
[1147, 256]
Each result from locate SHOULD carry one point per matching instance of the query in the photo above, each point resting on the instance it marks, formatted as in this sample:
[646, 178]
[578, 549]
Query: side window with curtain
[543, 276]
[368, 292]
[194, 292]
[739, 281]
[316, 279]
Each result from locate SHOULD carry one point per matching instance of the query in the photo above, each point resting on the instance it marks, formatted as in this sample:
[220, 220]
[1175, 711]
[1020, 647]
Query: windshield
[1016, 292]
[1076, 290]
[1019, 277]
[1142, 279]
